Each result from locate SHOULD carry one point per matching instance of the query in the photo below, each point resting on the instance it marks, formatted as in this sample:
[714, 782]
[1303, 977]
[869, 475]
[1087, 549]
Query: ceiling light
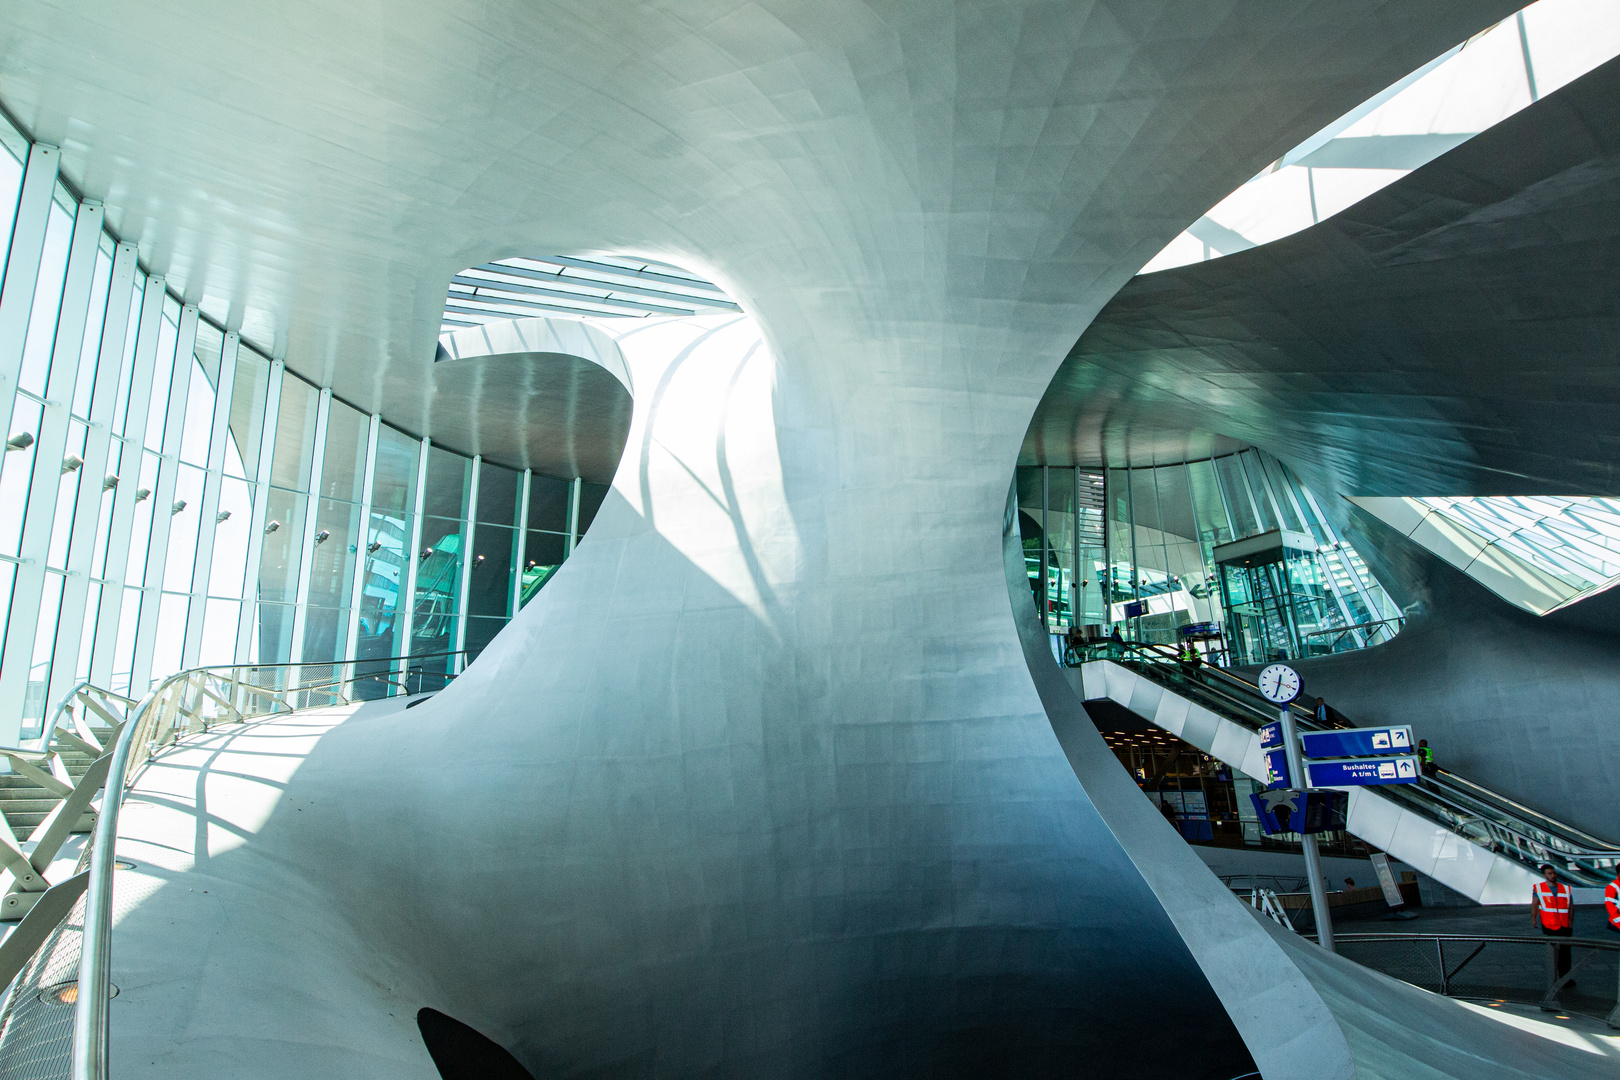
[177, 507]
[322, 536]
[272, 527]
[70, 463]
[143, 494]
[222, 517]
[109, 482]
[20, 441]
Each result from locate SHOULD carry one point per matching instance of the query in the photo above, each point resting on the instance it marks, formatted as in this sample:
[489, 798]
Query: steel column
[22, 266]
[520, 549]
[361, 556]
[306, 557]
[575, 489]
[405, 601]
[469, 524]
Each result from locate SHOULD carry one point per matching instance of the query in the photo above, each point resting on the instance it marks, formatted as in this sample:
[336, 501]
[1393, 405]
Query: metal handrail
[1450, 801]
[94, 977]
[1401, 619]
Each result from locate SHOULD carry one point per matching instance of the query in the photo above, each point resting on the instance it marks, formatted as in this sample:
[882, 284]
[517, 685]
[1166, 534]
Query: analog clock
[1280, 683]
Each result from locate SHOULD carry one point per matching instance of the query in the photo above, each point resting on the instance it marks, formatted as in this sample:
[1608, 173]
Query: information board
[1271, 735]
[1362, 772]
[1277, 768]
[1358, 742]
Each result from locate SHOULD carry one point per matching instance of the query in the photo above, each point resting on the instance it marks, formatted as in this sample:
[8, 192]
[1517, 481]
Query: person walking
[1322, 713]
[1426, 758]
[1552, 909]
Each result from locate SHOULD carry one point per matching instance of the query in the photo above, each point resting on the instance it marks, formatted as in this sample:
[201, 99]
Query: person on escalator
[1611, 903]
[1426, 759]
[1552, 909]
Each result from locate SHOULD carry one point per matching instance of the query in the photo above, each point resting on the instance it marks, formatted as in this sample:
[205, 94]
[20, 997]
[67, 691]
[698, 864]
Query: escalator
[1480, 843]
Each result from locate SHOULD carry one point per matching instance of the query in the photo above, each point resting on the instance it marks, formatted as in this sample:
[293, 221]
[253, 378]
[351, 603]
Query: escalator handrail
[1468, 801]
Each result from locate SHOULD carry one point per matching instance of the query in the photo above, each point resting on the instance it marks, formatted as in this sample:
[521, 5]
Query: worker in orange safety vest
[1552, 907]
[1611, 903]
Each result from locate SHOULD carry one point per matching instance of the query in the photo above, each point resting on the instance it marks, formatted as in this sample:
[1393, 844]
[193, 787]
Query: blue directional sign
[1271, 735]
[1358, 742]
[1363, 772]
[1277, 768]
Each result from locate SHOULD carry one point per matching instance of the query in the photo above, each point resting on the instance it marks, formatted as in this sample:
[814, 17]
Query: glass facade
[1236, 544]
[170, 497]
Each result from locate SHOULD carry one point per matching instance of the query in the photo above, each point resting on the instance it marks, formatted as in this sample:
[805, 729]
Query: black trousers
[1561, 952]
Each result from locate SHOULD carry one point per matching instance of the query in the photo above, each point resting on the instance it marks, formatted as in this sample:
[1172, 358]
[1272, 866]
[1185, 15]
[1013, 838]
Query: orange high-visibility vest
[1553, 905]
[1611, 902]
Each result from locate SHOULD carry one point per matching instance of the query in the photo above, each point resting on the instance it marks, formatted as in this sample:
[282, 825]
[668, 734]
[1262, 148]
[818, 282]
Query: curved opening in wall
[464, 1053]
[566, 286]
[1454, 97]
[1230, 555]
[1539, 553]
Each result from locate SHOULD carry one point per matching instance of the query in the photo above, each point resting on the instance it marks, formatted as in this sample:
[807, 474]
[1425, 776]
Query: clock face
[1279, 683]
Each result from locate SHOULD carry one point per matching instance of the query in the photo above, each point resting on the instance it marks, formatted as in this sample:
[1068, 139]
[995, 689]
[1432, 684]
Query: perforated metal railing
[57, 962]
[1470, 810]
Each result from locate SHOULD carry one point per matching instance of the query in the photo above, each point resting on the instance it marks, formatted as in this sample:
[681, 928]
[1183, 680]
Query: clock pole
[1313, 858]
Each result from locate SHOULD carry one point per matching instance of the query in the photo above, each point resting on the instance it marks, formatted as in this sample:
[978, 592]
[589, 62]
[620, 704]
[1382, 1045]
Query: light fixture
[123, 864]
[177, 507]
[373, 547]
[272, 527]
[109, 482]
[322, 536]
[222, 517]
[477, 559]
[70, 463]
[20, 441]
[143, 494]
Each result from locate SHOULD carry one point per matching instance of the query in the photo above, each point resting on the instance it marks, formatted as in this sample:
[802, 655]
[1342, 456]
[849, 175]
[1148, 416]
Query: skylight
[1540, 553]
[1446, 102]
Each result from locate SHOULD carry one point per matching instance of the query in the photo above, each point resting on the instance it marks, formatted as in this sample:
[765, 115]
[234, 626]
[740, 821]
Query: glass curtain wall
[170, 497]
[1143, 551]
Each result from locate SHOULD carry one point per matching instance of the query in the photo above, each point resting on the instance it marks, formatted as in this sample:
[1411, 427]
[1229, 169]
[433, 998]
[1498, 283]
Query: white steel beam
[469, 523]
[362, 557]
[575, 489]
[405, 602]
[520, 547]
[22, 266]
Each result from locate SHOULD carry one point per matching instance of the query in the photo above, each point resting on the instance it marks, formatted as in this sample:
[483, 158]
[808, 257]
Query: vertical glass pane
[87, 634]
[162, 375]
[171, 632]
[332, 562]
[67, 493]
[343, 468]
[185, 516]
[248, 395]
[279, 557]
[92, 331]
[275, 633]
[548, 503]
[590, 501]
[126, 368]
[1230, 474]
[16, 471]
[498, 491]
[8, 577]
[448, 476]
[115, 455]
[39, 672]
[438, 586]
[1207, 506]
[480, 632]
[219, 633]
[395, 484]
[295, 434]
[489, 590]
[141, 532]
[387, 537]
[36, 359]
[325, 630]
[129, 612]
[199, 420]
[231, 539]
[542, 556]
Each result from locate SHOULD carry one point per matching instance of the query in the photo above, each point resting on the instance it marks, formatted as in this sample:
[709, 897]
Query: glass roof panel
[1454, 97]
[602, 286]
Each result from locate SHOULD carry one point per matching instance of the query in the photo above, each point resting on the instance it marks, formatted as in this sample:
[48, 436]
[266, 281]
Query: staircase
[25, 804]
